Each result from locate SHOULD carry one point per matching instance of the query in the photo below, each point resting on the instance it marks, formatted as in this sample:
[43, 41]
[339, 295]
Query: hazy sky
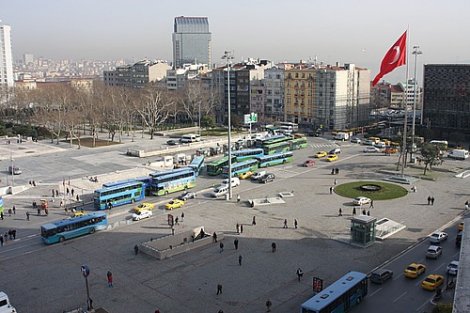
[345, 31]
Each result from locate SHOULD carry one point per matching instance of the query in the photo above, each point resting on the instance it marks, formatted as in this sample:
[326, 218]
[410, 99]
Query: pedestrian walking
[1, 216]
[78, 198]
[235, 243]
[14, 210]
[5, 236]
[466, 205]
[253, 222]
[340, 212]
[214, 237]
[9, 212]
[331, 190]
[368, 213]
[34, 183]
[336, 170]
[295, 223]
[332, 171]
[299, 273]
[1, 241]
[285, 223]
[61, 204]
[176, 221]
[429, 200]
[109, 275]
[273, 247]
[335, 182]
[172, 231]
[219, 289]
[241, 229]
[238, 198]
[182, 216]
[432, 200]
[68, 191]
[27, 216]
[53, 193]
[363, 211]
[371, 204]
[240, 260]
[268, 305]
[354, 211]
[72, 191]
[238, 228]
[13, 233]
[136, 249]
[221, 245]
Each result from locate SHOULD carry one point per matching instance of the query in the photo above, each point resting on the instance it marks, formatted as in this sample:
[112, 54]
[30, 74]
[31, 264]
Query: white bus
[189, 138]
[288, 126]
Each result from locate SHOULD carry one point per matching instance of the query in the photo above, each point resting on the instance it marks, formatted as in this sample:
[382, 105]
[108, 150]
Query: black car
[172, 142]
[269, 177]
[381, 275]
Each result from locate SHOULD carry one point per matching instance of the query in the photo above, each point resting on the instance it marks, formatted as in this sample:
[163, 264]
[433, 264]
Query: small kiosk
[363, 230]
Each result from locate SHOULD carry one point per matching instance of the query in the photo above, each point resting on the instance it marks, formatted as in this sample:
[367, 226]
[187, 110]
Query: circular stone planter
[375, 190]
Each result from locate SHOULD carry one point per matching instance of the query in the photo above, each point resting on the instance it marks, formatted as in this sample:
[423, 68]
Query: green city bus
[277, 147]
[275, 159]
[299, 143]
[215, 168]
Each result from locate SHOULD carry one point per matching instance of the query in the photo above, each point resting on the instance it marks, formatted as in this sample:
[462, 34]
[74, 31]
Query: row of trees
[65, 110]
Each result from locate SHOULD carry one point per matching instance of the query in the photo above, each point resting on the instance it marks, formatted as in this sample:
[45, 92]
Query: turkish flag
[395, 57]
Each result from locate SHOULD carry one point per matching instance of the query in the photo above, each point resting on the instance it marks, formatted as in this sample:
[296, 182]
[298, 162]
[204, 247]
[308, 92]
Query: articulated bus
[197, 164]
[339, 297]
[174, 181]
[274, 159]
[216, 167]
[247, 154]
[59, 231]
[298, 143]
[277, 147]
[241, 167]
[119, 194]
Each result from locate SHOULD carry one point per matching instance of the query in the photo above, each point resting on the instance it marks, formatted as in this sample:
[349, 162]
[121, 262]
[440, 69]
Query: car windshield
[435, 235]
[411, 268]
[430, 280]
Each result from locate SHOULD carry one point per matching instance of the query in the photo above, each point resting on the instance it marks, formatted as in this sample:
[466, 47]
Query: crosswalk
[322, 145]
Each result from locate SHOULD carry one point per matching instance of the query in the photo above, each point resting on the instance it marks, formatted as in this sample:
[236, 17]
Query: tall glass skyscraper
[6, 59]
[191, 41]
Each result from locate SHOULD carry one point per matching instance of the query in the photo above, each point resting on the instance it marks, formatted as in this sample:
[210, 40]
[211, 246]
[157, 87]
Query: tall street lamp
[86, 272]
[416, 52]
[228, 56]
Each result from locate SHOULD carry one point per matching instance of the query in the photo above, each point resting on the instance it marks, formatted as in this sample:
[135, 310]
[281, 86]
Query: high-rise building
[6, 59]
[447, 99]
[191, 41]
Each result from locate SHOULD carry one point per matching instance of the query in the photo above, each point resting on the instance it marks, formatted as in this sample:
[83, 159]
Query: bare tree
[153, 107]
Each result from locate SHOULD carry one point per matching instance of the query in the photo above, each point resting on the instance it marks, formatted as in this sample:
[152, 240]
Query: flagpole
[405, 100]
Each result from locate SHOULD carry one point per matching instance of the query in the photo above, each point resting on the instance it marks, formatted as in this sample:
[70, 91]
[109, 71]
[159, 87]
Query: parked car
[145, 206]
[355, 140]
[381, 275]
[269, 177]
[258, 175]
[453, 268]
[141, 215]
[380, 145]
[432, 282]
[320, 154]
[187, 195]
[361, 200]
[371, 150]
[219, 191]
[309, 163]
[414, 270]
[433, 252]
[172, 142]
[368, 142]
[235, 181]
[14, 170]
[335, 151]
[331, 158]
[174, 204]
[438, 237]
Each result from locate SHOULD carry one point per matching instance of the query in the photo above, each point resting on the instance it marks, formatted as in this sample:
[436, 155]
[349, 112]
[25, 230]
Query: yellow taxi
[414, 270]
[174, 204]
[431, 282]
[78, 213]
[245, 175]
[145, 206]
[320, 154]
[332, 158]
[460, 226]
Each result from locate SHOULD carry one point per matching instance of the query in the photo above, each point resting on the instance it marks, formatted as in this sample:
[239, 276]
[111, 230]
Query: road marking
[376, 291]
[422, 305]
[399, 297]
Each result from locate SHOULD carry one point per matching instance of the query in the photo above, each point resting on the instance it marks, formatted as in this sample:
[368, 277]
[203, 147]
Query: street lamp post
[12, 170]
[416, 52]
[86, 272]
[228, 57]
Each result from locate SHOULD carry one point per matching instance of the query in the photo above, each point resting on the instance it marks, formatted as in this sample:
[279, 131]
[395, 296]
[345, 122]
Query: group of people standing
[9, 235]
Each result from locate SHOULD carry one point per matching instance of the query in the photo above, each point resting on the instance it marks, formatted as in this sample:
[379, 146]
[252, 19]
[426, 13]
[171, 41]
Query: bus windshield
[340, 296]
[73, 227]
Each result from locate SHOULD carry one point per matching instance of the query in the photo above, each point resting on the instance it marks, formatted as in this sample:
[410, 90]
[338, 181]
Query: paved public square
[41, 278]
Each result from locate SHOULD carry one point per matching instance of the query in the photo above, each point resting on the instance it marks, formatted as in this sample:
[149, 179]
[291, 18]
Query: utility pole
[228, 56]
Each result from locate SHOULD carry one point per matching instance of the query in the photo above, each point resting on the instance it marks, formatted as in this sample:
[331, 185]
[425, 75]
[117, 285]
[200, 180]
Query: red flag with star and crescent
[395, 57]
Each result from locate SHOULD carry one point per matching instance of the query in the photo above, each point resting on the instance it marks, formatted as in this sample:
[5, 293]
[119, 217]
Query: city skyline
[329, 32]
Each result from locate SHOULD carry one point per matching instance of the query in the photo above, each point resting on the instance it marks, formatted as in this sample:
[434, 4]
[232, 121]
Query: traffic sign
[250, 118]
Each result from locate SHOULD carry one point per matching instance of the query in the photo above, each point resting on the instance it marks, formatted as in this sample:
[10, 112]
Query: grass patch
[387, 191]
[88, 142]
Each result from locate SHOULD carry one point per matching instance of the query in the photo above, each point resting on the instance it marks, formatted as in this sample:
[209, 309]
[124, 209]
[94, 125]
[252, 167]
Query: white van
[189, 138]
[220, 191]
[458, 154]
[5, 306]
[235, 181]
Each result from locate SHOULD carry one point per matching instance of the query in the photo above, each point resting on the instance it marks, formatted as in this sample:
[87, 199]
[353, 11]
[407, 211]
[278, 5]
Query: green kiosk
[363, 230]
